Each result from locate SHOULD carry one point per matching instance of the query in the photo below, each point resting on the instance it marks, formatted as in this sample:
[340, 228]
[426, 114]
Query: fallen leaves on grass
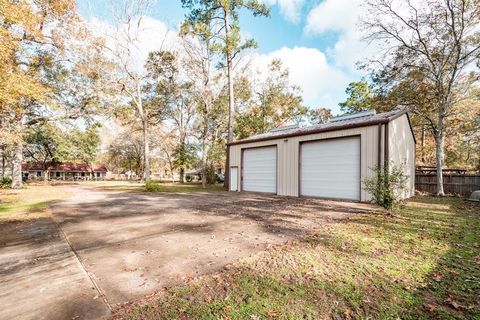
[431, 307]
[437, 277]
[453, 303]
[409, 266]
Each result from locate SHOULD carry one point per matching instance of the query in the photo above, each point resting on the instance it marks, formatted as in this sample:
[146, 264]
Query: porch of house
[64, 175]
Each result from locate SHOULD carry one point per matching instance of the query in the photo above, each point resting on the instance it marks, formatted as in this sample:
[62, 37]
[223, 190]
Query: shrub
[153, 186]
[386, 186]
[6, 183]
[211, 176]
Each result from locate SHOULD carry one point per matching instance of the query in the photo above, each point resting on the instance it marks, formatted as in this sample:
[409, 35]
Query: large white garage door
[260, 169]
[331, 168]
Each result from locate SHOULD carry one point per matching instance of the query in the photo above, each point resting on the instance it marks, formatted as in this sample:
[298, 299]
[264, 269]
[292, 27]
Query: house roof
[339, 124]
[66, 167]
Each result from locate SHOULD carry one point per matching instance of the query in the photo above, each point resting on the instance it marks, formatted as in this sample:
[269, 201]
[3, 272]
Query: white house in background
[328, 160]
[63, 171]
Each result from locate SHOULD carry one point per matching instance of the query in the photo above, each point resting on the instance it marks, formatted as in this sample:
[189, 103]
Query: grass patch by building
[168, 187]
[421, 263]
[29, 202]
[188, 187]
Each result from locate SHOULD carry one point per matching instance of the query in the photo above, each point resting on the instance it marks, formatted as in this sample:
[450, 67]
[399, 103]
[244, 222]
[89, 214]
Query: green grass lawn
[32, 200]
[421, 263]
[136, 186]
[29, 202]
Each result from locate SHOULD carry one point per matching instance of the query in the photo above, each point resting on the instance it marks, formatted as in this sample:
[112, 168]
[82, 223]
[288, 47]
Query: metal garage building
[326, 161]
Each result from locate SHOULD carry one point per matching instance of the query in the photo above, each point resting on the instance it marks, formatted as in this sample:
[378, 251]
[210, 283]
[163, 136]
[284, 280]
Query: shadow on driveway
[134, 244]
[40, 276]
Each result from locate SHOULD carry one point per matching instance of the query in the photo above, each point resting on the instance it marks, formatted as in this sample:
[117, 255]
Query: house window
[98, 174]
[83, 174]
[57, 174]
[39, 173]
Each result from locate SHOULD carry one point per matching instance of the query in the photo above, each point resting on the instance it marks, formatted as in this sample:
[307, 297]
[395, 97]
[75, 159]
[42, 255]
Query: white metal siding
[402, 151]
[288, 156]
[260, 169]
[233, 179]
[331, 168]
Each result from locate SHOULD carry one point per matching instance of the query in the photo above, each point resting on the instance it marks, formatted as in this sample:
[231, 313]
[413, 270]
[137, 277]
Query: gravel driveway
[103, 248]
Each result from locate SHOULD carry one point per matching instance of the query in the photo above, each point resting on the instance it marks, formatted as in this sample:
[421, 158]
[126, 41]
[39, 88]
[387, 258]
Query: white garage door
[260, 169]
[331, 168]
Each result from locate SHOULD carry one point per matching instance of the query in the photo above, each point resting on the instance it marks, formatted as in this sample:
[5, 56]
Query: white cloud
[322, 84]
[290, 9]
[341, 17]
[333, 15]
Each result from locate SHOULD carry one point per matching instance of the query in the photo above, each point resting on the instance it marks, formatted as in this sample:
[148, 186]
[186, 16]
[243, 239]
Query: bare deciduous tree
[439, 42]
[199, 59]
[128, 19]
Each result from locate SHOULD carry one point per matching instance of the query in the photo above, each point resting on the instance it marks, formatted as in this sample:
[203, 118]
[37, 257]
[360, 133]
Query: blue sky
[317, 40]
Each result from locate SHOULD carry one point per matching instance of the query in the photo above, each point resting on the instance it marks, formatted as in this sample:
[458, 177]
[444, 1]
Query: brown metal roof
[329, 126]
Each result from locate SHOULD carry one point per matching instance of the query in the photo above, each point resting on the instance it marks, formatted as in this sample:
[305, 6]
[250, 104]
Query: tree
[125, 153]
[417, 96]
[462, 135]
[167, 145]
[274, 102]
[129, 15]
[217, 131]
[47, 144]
[42, 145]
[174, 93]
[434, 42]
[203, 12]
[225, 15]
[83, 145]
[200, 57]
[320, 115]
[5, 154]
[386, 186]
[22, 26]
[183, 158]
[360, 98]
[44, 45]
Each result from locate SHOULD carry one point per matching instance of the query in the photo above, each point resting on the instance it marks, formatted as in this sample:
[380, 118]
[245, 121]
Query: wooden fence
[462, 184]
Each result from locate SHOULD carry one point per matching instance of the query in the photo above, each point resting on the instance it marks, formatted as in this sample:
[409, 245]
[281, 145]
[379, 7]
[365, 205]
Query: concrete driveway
[104, 248]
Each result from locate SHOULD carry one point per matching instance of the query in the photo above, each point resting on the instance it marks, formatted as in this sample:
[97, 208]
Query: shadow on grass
[436, 254]
[14, 212]
[165, 187]
[422, 263]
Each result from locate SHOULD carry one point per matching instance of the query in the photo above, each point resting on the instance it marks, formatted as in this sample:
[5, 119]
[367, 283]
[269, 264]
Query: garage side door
[331, 168]
[260, 169]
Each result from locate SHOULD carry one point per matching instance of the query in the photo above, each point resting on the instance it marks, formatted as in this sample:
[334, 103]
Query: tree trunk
[204, 165]
[146, 152]
[204, 148]
[146, 145]
[182, 175]
[2, 175]
[439, 145]
[228, 56]
[170, 165]
[17, 167]
[231, 98]
[204, 175]
[423, 145]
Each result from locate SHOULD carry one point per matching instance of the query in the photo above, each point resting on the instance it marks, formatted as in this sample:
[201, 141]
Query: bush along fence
[462, 184]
